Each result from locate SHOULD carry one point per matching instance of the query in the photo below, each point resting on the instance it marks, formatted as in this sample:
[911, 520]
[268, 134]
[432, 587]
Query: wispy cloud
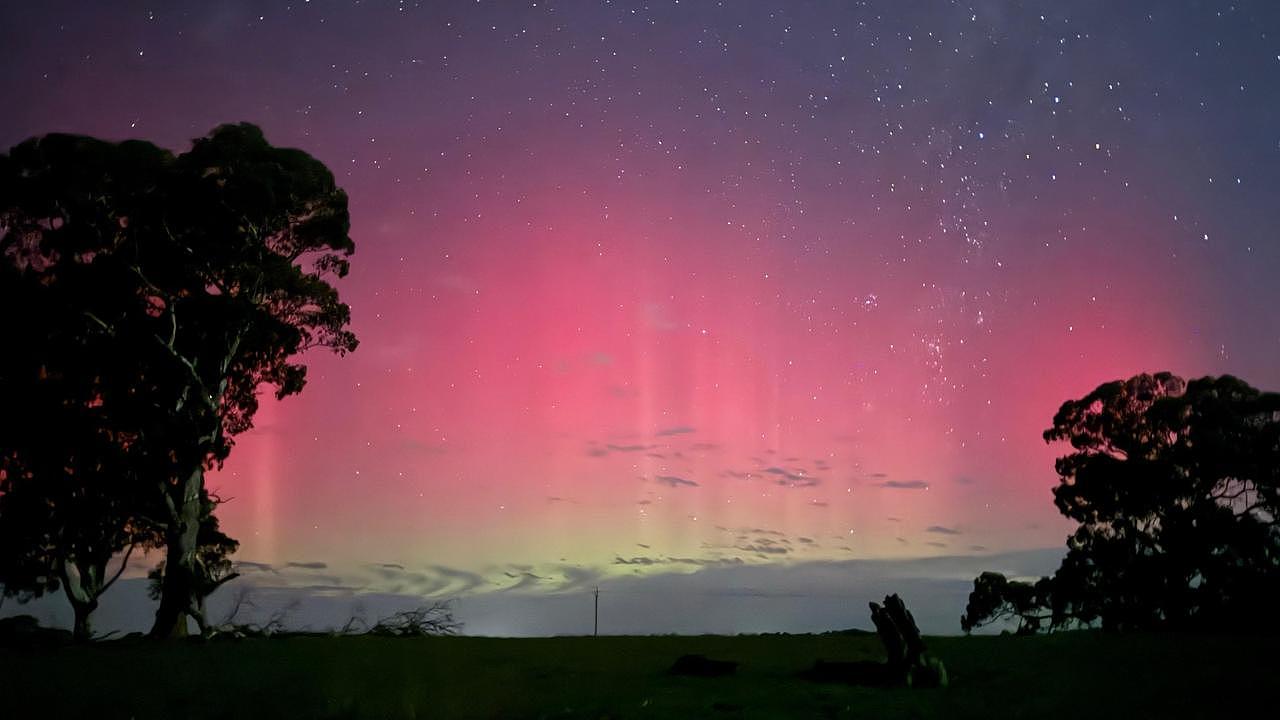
[638, 560]
[646, 561]
[524, 581]
[764, 549]
[677, 430]
[751, 531]
[665, 597]
[628, 448]
[706, 562]
[595, 449]
[307, 565]
[461, 581]
[329, 589]
[576, 577]
[766, 546]
[905, 484]
[940, 530]
[790, 478]
[675, 481]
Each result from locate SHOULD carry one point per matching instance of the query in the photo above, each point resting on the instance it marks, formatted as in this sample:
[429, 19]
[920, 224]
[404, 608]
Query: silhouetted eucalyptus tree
[61, 528]
[1175, 486]
[199, 277]
[995, 598]
[70, 499]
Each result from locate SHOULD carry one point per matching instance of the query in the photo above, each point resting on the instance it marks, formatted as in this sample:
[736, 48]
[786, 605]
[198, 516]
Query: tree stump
[908, 663]
[904, 647]
[898, 633]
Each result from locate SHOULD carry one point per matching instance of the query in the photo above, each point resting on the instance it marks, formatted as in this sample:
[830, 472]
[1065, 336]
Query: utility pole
[596, 632]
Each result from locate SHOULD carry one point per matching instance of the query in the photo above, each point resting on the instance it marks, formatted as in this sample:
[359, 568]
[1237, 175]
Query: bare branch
[434, 619]
[123, 563]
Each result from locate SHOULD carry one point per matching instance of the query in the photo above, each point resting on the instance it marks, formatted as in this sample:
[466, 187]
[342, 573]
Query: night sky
[778, 294]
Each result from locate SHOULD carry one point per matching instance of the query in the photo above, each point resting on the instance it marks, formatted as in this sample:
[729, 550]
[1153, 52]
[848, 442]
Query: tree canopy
[1175, 488]
[70, 499]
[187, 282]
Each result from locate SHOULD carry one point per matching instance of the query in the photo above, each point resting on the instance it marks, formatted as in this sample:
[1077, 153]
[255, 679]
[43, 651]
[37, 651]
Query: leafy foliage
[182, 285]
[995, 598]
[1175, 486]
[70, 495]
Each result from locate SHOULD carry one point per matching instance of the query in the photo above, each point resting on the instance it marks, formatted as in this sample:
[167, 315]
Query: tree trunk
[82, 589]
[178, 586]
[82, 631]
[198, 614]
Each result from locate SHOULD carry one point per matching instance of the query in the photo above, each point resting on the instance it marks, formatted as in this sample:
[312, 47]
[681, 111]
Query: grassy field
[1068, 676]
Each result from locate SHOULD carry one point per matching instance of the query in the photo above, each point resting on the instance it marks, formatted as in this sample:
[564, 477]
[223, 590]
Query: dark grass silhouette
[1063, 675]
[702, 666]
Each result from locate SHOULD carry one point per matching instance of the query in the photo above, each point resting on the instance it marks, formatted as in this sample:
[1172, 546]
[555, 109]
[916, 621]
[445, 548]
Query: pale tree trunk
[178, 586]
[82, 590]
[82, 631]
[180, 589]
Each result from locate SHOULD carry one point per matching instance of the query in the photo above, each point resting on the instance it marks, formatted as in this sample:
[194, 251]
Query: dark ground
[1073, 675]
